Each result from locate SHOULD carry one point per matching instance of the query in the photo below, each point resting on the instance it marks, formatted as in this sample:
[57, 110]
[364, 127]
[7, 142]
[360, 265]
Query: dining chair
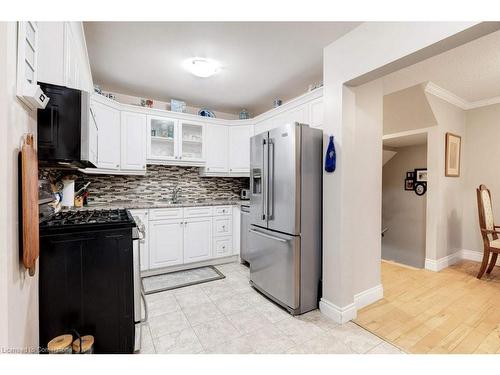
[489, 231]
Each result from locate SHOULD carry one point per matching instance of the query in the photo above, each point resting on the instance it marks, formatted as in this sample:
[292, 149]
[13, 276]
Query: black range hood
[64, 131]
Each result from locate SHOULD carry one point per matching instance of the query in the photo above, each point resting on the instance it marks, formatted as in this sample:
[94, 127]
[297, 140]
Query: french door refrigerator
[284, 239]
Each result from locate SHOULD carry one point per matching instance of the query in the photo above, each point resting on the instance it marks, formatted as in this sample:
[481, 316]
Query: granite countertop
[156, 204]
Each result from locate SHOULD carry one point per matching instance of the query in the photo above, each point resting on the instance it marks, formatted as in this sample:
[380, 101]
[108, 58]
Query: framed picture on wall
[410, 175]
[421, 175]
[409, 184]
[452, 155]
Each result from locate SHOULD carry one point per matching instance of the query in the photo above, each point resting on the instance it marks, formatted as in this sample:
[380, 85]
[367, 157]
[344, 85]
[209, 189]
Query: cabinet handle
[176, 157]
[117, 165]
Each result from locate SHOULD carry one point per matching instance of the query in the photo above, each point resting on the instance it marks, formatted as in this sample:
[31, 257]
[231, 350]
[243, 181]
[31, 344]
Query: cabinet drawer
[223, 226]
[223, 246]
[165, 213]
[222, 210]
[197, 211]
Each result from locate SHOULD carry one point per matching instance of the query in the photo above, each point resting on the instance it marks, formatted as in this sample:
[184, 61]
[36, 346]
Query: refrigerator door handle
[267, 235]
[264, 178]
[270, 195]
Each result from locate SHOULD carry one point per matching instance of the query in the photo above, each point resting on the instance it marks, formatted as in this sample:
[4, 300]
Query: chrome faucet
[175, 193]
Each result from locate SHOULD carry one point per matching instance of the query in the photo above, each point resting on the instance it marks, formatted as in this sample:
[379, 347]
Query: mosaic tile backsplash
[156, 185]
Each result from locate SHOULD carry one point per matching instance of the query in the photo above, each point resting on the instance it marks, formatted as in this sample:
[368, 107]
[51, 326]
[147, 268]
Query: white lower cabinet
[236, 229]
[223, 246]
[223, 226]
[166, 243]
[177, 236]
[197, 239]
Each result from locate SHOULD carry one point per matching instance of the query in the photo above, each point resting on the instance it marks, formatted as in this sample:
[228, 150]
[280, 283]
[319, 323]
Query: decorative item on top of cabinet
[244, 115]
[205, 112]
[177, 106]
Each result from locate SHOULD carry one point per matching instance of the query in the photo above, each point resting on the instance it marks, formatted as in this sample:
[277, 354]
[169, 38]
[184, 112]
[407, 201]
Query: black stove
[89, 266]
[82, 220]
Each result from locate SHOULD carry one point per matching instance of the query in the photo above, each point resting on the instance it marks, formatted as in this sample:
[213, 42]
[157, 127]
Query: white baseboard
[340, 315]
[439, 264]
[368, 296]
[476, 256]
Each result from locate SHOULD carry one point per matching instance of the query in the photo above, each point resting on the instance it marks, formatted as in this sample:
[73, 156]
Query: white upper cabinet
[162, 138]
[298, 114]
[92, 138]
[192, 141]
[175, 142]
[133, 141]
[63, 58]
[216, 149]
[316, 113]
[239, 149]
[109, 142]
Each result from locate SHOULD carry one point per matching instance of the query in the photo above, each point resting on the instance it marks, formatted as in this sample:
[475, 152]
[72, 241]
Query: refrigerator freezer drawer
[275, 265]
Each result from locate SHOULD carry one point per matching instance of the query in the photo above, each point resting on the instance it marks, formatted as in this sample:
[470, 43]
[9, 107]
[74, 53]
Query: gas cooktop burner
[84, 218]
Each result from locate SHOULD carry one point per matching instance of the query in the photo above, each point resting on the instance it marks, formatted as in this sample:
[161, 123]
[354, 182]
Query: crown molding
[457, 101]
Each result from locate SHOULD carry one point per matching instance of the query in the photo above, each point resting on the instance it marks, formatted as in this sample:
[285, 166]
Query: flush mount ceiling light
[201, 67]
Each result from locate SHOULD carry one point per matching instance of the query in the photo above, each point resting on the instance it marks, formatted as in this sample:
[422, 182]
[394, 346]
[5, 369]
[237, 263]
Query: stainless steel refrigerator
[284, 240]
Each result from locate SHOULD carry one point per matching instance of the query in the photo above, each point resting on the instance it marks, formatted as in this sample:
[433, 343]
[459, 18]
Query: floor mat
[179, 279]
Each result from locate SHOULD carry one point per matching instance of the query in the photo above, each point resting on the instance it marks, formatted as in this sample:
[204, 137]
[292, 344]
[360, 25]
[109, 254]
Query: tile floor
[229, 316]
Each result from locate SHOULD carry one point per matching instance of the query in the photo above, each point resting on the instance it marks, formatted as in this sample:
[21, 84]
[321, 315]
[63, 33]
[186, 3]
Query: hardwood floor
[450, 311]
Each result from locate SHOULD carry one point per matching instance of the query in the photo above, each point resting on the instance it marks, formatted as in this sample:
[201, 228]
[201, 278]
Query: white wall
[19, 291]
[364, 51]
[481, 156]
[403, 211]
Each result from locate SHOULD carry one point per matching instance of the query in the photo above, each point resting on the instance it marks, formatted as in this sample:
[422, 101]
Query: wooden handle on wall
[29, 200]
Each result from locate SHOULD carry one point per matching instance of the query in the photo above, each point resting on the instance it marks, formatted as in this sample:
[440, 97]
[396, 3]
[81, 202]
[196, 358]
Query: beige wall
[444, 214]
[392, 46]
[403, 212]
[407, 110]
[481, 155]
[19, 294]
[135, 100]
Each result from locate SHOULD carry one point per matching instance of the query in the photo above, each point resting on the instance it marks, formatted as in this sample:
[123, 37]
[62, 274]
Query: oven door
[137, 288]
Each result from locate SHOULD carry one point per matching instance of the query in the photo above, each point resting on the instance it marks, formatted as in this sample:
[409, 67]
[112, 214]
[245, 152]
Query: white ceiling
[470, 71]
[261, 60]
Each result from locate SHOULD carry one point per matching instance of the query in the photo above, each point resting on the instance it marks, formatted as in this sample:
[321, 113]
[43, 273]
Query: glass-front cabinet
[175, 141]
[162, 134]
[192, 141]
